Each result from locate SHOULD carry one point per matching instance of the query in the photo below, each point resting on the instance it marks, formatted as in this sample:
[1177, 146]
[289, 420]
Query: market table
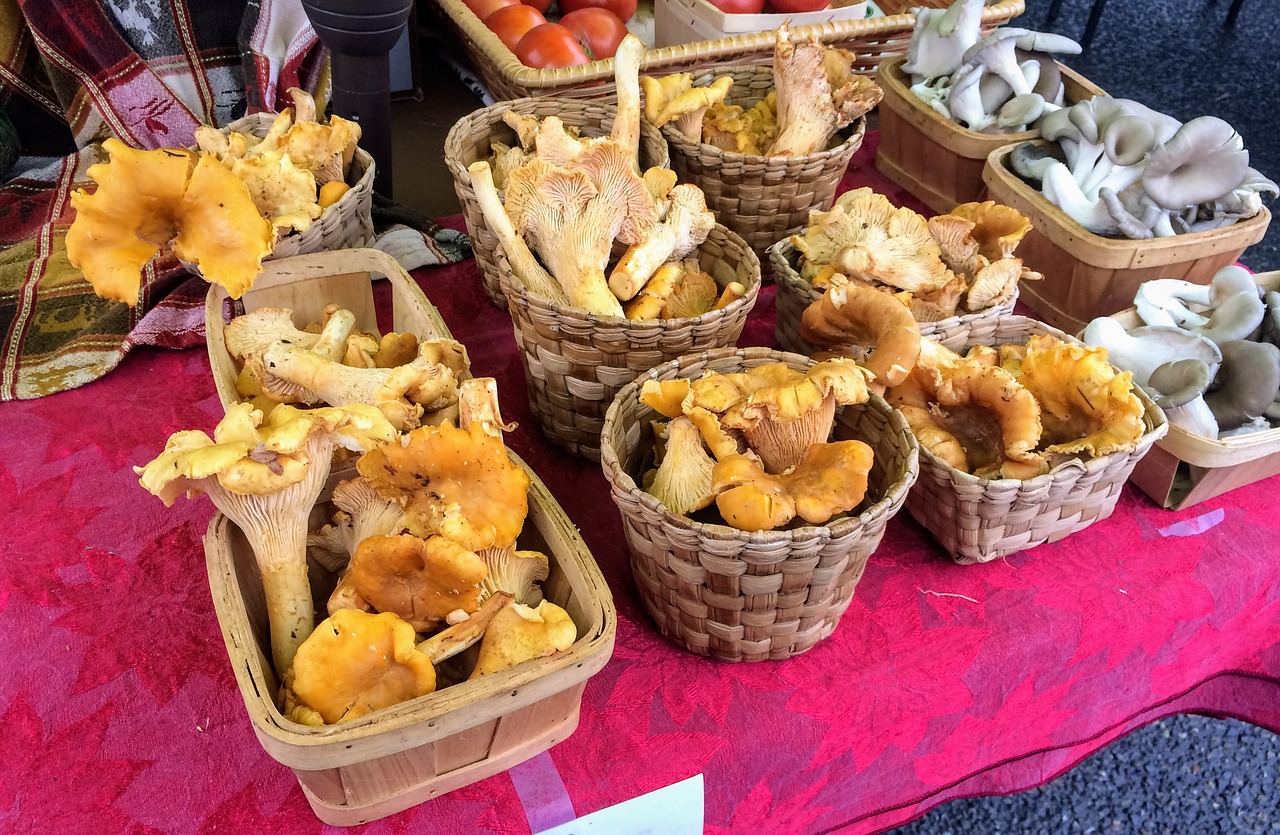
[119, 712]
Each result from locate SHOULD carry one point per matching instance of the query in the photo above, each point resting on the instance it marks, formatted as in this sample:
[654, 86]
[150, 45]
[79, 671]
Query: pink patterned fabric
[119, 712]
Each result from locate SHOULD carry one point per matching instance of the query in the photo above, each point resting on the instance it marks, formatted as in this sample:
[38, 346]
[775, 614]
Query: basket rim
[469, 123]
[998, 169]
[785, 274]
[621, 479]
[513, 289]
[1071, 469]
[857, 131]
[510, 68]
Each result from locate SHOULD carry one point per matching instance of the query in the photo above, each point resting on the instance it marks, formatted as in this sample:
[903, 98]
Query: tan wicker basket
[763, 199]
[979, 520]
[471, 140]
[871, 40]
[795, 294]
[739, 596]
[575, 362]
[346, 224]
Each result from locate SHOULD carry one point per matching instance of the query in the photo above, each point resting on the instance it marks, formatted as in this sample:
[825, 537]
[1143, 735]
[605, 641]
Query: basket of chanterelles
[508, 133]
[765, 144]
[266, 186]
[607, 273]
[391, 641]
[956, 273]
[753, 485]
[1026, 438]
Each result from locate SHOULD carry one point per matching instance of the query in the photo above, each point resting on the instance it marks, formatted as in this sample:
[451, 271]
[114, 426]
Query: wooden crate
[305, 284]
[1088, 275]
[1185, 469]
[403, 755]
[871, 40]
[931, 156]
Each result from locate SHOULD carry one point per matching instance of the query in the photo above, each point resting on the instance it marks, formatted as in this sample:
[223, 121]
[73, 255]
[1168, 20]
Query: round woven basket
[575, 362]
[347, 224]
[739, 596]
[471, 140]
[763, 199]
[795, 294]
[979, 520]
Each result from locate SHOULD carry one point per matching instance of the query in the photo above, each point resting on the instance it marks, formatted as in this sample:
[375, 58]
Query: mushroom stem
[449, 642]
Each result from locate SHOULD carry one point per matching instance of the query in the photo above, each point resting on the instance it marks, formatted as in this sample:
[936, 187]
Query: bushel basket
[738, 596]
[979, 520]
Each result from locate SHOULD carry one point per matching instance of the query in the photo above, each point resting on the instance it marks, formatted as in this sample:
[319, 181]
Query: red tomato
[510, 23]
[540, 5]
[599, 30]
[484, 8]
[624, 9]
[797, 6]
[738, 6]
[549, 46]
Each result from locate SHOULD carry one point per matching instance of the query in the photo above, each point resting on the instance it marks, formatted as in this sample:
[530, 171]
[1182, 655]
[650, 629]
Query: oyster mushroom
[1247, 383]
[1180, 386]
[1202, 162]
[1142, 350]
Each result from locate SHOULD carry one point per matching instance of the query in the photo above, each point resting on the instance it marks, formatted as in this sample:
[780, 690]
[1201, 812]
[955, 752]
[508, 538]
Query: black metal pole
[359, 35]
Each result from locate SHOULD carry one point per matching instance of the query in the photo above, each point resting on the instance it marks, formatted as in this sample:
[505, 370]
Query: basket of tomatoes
[574, 33]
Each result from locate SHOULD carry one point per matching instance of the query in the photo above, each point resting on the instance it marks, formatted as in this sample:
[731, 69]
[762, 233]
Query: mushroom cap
[1271, 325]
[1179, 382]
[1236, 317]
[1048, 42]
[1029, 160]
[1142, 349]
[1248, 382]
[356, 662]
[829, 479]
[519, 633]
[1021, 110]
[851, 314]
[998, 229]
[421, 580]
[1128, 139]
[1200, 163]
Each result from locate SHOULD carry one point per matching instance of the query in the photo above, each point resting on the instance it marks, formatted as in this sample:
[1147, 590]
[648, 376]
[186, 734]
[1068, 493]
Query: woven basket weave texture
[471, 140]
[979, 520]
[739, 596]
[795, 294]
[575, 362]
[763, 199]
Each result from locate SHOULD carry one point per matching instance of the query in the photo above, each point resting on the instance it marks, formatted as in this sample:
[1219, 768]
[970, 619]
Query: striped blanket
[74, 72]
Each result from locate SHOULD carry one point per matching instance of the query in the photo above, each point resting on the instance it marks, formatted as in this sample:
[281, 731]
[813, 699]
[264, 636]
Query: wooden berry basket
[795, 294]
[931, 156]
[575, 362]
[871, 40]
[1185, 469]
[305, 284]
[471, 139]
[1088, 275]
[978, 520]
[763, 199]
[394, 758]
[749, 596]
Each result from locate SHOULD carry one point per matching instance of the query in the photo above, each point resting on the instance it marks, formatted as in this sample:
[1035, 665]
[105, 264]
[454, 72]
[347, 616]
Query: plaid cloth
[72, 73]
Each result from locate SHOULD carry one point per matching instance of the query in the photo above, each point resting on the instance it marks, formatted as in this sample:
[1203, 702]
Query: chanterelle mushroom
[421, 580]
[520, 633]
[265, 475]
[829, 479]
[673, 98]
[682, 481]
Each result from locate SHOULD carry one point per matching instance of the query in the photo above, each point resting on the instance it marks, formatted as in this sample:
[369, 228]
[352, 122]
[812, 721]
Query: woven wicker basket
[471, 140]
[763, 199]
[575, 362]
[871, 40]
[979, 520]
[739, 596]
[346, 224]
[795, 294]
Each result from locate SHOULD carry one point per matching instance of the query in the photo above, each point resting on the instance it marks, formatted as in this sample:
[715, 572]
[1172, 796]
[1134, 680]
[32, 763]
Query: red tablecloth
[118, 710]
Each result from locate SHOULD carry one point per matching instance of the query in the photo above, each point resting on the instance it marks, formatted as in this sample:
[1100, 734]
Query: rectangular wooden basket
[305, 284]
[931, 156]
[400, 756]
[871, 40]
[1184, 469]
[1088, 275]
